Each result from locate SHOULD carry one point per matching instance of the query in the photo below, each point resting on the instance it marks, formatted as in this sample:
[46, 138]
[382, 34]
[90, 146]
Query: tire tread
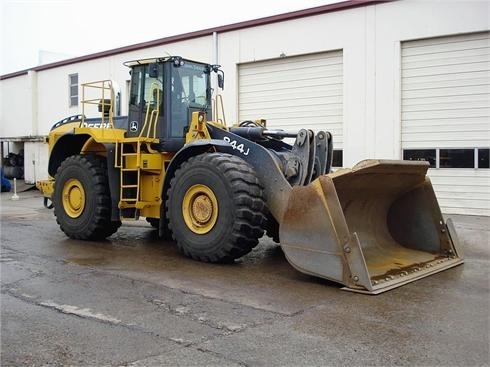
[248, 200]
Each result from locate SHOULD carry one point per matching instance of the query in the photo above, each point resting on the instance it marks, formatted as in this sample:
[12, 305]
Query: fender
[276, 188]
[192, 149]
[65, 146]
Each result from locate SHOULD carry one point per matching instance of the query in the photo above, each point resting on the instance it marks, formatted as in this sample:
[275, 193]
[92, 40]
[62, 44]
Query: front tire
[81, 198]
[216, 209]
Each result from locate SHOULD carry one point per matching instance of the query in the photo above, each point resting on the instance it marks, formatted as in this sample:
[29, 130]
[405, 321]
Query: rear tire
[81, 198]
[216, 209]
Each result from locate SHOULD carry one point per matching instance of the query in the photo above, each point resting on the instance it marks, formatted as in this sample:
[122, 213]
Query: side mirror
[221, 79]
[153, 70]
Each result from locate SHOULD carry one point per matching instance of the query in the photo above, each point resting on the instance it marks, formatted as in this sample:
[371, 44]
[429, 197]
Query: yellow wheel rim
[73, 198]
[200, 209]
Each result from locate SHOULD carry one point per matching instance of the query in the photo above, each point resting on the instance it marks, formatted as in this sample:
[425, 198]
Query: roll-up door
[446, 116]
[294, 92]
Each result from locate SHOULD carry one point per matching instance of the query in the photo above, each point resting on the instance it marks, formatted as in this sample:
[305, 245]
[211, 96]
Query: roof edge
[205, 32]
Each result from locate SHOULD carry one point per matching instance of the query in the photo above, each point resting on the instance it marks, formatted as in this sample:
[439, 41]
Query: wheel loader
[217, 189]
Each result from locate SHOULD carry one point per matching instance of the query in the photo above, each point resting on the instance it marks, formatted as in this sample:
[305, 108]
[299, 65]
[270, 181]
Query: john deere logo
[133, 126]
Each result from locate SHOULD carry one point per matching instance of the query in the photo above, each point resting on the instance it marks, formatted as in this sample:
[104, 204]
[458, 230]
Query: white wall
[15, 107]
[35, 156]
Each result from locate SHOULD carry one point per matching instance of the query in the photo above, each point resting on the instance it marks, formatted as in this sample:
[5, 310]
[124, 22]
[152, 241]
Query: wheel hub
[200, 209]
[73, 198]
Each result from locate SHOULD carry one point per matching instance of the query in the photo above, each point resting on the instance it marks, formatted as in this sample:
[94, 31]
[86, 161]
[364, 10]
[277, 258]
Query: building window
[337, 159]
[457, 158]
[450, 158]
[73, 85]
[428, 155]
[483, 161]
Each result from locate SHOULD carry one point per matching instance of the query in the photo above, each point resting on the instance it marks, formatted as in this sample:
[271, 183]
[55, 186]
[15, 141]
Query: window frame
[71, 96]
[337, 155]
[476, 156]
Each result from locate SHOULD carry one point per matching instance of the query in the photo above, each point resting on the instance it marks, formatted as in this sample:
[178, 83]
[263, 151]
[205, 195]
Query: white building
[403, 79]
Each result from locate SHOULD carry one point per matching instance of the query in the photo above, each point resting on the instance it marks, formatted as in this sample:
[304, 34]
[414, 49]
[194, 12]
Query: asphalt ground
[134, 300]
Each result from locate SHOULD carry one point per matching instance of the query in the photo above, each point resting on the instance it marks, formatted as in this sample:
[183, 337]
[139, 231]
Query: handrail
[219, 101]
[106, 87]
[151, 118]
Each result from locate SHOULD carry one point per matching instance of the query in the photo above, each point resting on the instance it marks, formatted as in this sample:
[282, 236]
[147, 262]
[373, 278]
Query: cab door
[146, 101]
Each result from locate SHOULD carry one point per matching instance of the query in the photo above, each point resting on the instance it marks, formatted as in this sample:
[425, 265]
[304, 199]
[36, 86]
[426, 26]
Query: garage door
[294, 92]
[446, 117]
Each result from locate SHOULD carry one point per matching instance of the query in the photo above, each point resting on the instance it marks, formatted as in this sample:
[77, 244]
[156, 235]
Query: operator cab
[167, 91]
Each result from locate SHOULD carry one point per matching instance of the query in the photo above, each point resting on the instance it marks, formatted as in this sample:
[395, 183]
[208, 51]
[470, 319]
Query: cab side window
[153, 95]
[136, 85]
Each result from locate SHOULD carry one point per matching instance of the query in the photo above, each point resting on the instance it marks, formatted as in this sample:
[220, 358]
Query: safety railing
[219, 110]
[101, 94]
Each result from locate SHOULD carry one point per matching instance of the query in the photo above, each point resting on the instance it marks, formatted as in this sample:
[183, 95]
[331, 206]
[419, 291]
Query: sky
[48, 30]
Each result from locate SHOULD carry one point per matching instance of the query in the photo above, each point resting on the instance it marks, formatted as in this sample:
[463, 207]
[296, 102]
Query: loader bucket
[372, 228]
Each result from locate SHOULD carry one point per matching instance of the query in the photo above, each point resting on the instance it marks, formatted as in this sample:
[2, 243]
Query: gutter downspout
[215, 61]
[214, 80]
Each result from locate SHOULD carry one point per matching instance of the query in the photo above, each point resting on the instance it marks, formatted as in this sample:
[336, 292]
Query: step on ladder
[130, 177]
[134, 166]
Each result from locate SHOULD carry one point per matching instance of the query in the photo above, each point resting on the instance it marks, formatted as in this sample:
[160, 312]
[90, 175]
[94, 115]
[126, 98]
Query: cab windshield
[190, 84]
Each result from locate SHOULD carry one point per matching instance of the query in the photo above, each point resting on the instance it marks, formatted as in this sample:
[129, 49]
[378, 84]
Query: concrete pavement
[133, 300]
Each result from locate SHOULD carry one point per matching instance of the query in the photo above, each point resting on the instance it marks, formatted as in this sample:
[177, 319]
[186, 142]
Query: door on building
[446, 116]
[295, 92]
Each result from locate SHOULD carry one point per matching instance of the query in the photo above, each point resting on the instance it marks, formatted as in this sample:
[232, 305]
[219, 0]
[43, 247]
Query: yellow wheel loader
[218, 189]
